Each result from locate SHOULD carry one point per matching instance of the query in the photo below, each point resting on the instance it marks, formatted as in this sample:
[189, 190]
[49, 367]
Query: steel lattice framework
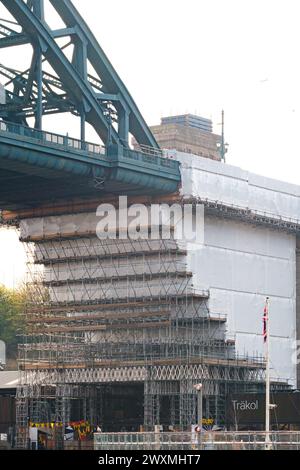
[235, 373]
[101, 100]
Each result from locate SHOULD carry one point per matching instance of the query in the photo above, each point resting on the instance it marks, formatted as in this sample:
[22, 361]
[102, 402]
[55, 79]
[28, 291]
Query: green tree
[11, 318]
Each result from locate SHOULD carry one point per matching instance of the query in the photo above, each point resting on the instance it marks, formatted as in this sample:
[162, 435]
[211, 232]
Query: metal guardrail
[145, 154]
[216, 204]
[192, 441]
[153, 159]
[49, 138]
[150, 150]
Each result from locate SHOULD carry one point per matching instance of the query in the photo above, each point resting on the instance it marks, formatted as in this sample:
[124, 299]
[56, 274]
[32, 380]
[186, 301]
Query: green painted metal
[103, 100]
[33, 162]
[45, 152]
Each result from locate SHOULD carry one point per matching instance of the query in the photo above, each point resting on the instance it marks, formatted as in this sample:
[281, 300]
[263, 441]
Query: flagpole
[267, 320]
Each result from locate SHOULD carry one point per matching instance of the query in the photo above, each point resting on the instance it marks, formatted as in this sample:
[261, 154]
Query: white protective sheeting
[107, 220]
[118, 290]
[114, 268]
[83, 223]
[83, 247]
[241, 265]
[216, 181]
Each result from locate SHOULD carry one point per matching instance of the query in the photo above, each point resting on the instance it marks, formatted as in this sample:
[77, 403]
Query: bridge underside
[20, 190]
[34, 170]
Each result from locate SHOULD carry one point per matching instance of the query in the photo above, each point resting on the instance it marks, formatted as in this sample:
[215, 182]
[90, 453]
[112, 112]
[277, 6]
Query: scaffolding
[107, 313]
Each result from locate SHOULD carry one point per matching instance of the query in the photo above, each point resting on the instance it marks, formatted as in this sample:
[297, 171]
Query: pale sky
[200, 56]
[12, 259]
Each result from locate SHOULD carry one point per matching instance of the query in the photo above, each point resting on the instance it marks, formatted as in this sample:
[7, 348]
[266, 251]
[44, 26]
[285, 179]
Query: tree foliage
[11, 317]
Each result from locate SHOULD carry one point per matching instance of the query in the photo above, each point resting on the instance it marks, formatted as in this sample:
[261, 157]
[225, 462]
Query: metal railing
[193, 441]
[153, 159]
[147, 150]
[145, 154]
[49, 138]
[216, 204]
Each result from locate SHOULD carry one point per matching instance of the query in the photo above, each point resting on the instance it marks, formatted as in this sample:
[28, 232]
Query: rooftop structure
[189, 120]
[189, 134]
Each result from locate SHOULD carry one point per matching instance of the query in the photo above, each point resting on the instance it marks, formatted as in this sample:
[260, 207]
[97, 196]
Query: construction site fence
[197, 441]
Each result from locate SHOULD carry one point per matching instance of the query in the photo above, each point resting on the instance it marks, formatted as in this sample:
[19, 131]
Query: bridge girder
[102, 101]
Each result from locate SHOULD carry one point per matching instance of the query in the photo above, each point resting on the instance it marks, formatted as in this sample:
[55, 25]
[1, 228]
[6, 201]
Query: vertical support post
[223, 150]
[173, 409]
[62, 412]
[39, 11]
[267, 320]
[124, 125]
[200, 407]
[150, 391]
[22, 417]
[199, 389]
[91, 415]
[39, 79]
[82, 126]
[79, 61]
[109, 139]
[157, 409]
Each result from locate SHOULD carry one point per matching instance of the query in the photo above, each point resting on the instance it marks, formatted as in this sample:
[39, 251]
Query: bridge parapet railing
[64, 142]
[156, 158]
[143, 154]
